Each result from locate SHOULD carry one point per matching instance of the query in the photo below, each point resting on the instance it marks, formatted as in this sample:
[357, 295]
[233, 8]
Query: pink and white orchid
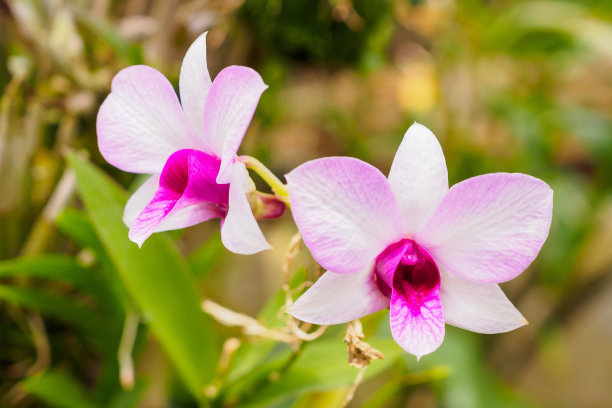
[188, 147]
[433, 255]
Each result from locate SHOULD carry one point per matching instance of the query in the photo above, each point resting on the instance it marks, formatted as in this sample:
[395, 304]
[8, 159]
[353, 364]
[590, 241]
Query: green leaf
[157, 277]
[471, 383]
[204, 259]
[61, 307]
[62, 268]
[100, 28]
[130, 398]
[255, 357]
[255, 364]
[58, 390]
[271, 314]
[322, 365]
[76, 224]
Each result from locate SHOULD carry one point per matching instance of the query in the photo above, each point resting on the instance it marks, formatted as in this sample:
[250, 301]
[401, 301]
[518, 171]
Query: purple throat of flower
[409, 269]
[189, 178]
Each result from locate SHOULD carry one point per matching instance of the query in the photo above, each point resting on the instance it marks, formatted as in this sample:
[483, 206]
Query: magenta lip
[407, 267]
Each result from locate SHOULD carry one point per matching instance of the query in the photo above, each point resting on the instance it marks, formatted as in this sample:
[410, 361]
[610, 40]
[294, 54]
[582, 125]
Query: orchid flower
[188, 147]
[431, 254]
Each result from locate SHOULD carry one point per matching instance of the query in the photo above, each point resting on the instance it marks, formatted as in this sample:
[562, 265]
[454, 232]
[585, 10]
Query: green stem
[278, 187]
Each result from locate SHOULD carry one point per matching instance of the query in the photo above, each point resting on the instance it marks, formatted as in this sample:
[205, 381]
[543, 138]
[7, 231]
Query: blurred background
[512, 86]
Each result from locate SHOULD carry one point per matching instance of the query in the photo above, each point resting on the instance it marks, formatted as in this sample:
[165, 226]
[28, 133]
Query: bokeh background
[513, 86]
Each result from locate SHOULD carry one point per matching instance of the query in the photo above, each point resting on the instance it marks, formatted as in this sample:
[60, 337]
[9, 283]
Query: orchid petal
[489, 228]
[150, 218]
[345, 211]
[194, 83]
[189, 216]
[139, 200]
[188, 179]
[183, 218]
[418, 177]
[339, 298]
[417, 320]
[477, 307]
[230, 105]
[141, 122]
[239, 231]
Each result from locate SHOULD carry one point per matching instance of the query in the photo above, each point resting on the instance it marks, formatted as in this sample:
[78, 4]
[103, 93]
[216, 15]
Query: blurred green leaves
[156, 276]
[58, 390]
[327, 32]
[322, 365]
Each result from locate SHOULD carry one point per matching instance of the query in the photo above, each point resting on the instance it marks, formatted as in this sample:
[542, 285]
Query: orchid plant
[431, 254]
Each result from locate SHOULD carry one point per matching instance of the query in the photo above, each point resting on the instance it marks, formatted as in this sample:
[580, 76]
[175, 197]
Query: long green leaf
[206, 257]
[77, 226]
[130, 398]
[322, 366]
[157, 277]
[62, 268]
[61, 307]
[57, 390]
[103, 30]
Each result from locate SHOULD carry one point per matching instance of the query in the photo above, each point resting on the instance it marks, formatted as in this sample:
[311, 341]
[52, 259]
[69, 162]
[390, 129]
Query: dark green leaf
[58, 390]
[322, 366]
[62, 268]
[61, 307]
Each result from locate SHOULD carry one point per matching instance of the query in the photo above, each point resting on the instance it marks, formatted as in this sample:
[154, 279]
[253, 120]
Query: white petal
[239, 231]
[478, 307]
[489, 228]
[188, 216]
[339, 298]
[194, 83]
[230, 105]
[139, 200]
[345, 211]
[417, 321]
[141, 122]
[183, 218]
[418, 177]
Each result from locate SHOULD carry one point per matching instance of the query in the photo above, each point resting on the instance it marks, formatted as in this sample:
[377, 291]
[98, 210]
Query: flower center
[190, 175]
[406, 267]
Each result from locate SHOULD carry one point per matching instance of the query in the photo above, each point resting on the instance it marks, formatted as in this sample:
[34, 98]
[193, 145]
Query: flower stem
[278, 187]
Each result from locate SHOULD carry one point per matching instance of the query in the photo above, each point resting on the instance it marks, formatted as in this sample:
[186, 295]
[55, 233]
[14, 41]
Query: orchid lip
[190, 175]
[187, 179]
[408, 268]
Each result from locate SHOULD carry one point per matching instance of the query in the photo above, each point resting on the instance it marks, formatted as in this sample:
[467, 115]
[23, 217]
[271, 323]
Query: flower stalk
[279, 189]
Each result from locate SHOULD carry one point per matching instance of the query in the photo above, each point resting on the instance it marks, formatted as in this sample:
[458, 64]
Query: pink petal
[345, 211]
[417, 320]
[339, 298]
[139, 200]
[478, 307]
[188, 179]
[418, 177]
[183, 218]
[153, 214]
[194, 83]
[141, 122]
[230, 105]
[189, 216]
[239, 231]
[491, 227]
